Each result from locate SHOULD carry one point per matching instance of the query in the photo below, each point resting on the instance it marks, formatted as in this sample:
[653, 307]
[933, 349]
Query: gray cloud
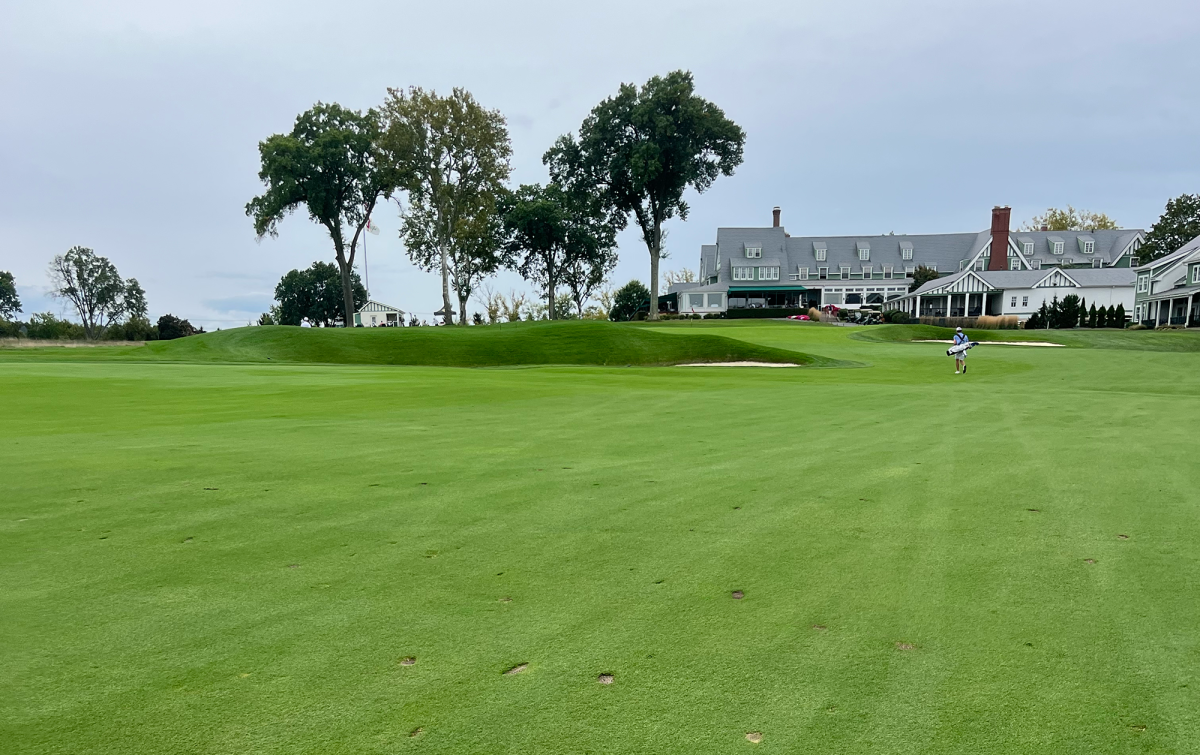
[132, 126]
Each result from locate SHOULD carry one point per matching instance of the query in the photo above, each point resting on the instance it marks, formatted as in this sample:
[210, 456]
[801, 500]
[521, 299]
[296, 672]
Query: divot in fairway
[516, 669]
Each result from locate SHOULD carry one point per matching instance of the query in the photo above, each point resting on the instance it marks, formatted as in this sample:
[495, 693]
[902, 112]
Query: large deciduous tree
[1070, 219]
[642, 148]
[94, 288]
[10, 303]
[1179, 224]
[315, 293]
[454, 155]
[554, 238]
[330, 164]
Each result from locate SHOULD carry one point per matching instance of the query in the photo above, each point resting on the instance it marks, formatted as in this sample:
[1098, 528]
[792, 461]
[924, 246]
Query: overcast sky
[132, 127]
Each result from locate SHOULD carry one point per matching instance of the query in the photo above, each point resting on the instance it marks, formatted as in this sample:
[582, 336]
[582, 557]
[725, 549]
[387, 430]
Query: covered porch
[957, 305]
[1180, 308]
[773, 297]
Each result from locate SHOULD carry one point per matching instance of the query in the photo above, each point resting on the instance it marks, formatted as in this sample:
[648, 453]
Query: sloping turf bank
[1103, 338]
[570, 342]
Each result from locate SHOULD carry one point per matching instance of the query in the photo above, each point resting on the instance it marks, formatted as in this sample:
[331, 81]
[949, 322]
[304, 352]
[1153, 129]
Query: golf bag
[960, 348]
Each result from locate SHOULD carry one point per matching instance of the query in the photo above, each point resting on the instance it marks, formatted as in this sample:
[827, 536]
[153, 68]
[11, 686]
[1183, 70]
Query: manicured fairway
[237, 558]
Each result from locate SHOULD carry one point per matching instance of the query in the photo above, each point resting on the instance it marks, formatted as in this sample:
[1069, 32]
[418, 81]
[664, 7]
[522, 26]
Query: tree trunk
[447, 318]
[347, 288]
[654, 258]
[550, 290]
[462, 309]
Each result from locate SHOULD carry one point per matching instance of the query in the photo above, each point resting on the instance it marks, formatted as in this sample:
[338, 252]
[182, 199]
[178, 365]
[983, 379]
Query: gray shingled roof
[943, 250]
[1003, 279]
[1109, 244]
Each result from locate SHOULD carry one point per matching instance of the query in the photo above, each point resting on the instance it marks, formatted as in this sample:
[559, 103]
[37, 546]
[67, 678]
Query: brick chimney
[775, 216]
[999, 259]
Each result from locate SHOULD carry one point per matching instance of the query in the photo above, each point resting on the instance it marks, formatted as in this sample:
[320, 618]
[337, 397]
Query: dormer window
[1035, 264]
[1026, 246]
[864, 250]
[754, 252]
[1056, 244]
[1087, 244]
[1195, 273]
[820, 250]
[906, 250]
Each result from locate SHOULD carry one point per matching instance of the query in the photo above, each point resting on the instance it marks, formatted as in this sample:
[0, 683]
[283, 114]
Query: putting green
[232, 558]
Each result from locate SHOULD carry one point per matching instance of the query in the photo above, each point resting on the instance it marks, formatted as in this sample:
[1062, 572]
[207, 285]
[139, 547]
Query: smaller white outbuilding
[375, 314]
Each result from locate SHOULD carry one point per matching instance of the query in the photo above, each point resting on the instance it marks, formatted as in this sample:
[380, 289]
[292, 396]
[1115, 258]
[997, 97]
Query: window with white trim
[1014, 263]
[1195, 273]
[803, 274]
[867, 272]
[1027, 247]
[1137, 313]
[1024, 301]
[754, 252]
[1014, 302]
[1035, 264]
[887, 271]
[715, 300]
[1097, 263]
[906, 252]
[743, 273]
[696, 300]
[909, 270]
[823, 273]
[768, 273]
[1056, 247]
[820, 254]
[1133, 261]
[864, 253]
[844, 271]
[1143, 284]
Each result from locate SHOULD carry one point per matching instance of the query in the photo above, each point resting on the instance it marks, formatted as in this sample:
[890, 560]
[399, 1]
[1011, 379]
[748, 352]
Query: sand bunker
[992, 343]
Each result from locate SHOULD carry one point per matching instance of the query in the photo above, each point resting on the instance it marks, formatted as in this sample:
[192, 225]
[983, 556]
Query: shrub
[137, 329]
[171, 327]
[897, 317]
[46, 325]
[997, 322]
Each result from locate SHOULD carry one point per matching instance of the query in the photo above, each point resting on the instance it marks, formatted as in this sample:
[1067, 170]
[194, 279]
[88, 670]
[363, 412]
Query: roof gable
[1057, 279]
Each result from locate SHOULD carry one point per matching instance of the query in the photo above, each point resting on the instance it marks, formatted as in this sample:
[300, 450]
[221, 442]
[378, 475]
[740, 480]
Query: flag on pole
[372, 228]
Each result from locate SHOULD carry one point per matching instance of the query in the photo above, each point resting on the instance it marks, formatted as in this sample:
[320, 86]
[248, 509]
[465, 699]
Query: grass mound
[570, 342]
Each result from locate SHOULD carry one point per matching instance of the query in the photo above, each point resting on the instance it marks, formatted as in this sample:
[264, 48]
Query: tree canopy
[330, 164]
[1070, 219]
[10, 303]
[642, 148]
[923, 275]
[627, 300]
[453, 156]
[94, 288]
[1179, 224]
[316, 293]
[552, 239]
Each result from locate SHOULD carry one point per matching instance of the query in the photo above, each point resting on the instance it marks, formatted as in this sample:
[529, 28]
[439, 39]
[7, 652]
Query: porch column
[918, 307]
[1187, 313]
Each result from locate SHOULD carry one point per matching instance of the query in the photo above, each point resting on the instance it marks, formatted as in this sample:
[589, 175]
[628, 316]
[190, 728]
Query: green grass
[234, 557]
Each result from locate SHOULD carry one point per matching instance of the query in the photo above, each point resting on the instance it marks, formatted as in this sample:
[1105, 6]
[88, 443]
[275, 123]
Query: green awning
[766, 288]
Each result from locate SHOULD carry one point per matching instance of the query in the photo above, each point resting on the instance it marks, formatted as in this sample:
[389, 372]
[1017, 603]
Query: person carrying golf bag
[960, 358]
